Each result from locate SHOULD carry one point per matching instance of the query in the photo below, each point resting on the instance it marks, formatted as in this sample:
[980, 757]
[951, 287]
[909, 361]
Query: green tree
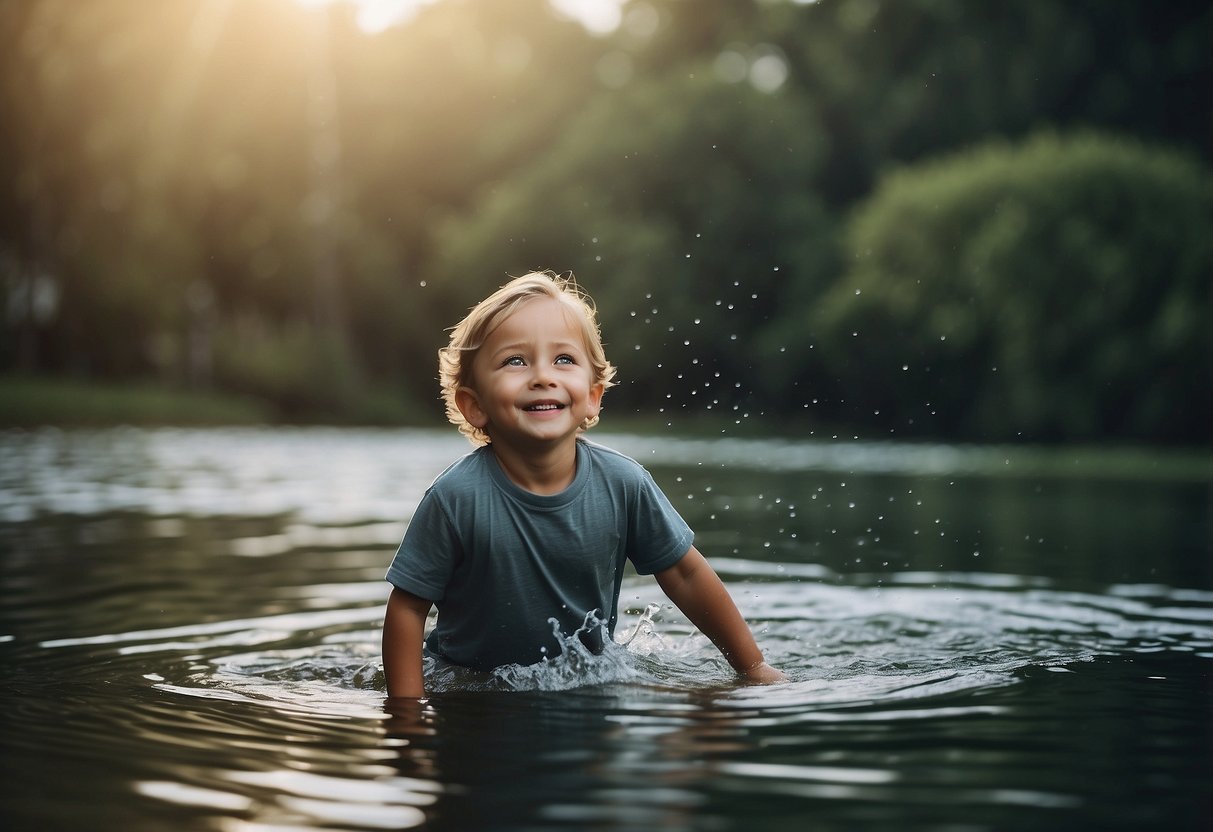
[1053, 290]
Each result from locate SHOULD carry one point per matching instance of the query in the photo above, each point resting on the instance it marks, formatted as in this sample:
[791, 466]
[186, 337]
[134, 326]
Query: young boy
[536, 523]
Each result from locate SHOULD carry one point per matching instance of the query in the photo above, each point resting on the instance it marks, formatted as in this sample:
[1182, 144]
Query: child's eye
[565, 359]
[514, 361]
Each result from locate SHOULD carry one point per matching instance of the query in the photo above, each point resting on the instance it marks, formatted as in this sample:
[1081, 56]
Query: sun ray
[184, 80]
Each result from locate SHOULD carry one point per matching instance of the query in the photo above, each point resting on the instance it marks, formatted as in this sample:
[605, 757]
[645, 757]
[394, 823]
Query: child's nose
[541, 376]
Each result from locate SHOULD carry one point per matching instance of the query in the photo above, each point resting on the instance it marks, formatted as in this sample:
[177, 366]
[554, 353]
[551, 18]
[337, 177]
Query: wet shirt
[499, 561]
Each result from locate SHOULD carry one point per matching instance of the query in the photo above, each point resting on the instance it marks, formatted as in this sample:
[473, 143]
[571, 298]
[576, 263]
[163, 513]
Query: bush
[1053, 290]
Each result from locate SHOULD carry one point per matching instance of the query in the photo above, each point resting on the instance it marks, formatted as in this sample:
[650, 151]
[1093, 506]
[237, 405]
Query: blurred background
[977, 222]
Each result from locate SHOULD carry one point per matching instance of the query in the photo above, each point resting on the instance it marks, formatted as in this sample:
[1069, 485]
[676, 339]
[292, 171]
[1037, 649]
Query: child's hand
[763, 674]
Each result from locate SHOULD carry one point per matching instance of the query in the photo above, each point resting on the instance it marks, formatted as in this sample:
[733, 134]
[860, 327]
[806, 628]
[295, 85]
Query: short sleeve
[658, 536]
[427, 556]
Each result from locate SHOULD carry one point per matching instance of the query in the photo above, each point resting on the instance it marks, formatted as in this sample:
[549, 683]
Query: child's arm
[696, 589]
[403, 631]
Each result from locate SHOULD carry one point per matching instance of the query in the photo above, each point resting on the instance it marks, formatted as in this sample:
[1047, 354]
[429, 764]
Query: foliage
[907, 80]
[1058, 289]
[259, 196]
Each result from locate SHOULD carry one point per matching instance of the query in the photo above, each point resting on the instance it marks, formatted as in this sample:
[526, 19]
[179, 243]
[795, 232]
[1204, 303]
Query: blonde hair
[468, 336]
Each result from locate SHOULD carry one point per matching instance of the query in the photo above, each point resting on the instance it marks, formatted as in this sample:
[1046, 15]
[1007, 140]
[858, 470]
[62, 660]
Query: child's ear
[594, 400]
[469, 405]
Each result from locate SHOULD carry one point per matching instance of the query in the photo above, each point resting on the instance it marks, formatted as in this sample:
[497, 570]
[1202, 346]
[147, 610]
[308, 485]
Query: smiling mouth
[539, 408]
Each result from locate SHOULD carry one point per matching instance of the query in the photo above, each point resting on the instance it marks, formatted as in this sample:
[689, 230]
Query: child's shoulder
[613, 462]
[466, 472]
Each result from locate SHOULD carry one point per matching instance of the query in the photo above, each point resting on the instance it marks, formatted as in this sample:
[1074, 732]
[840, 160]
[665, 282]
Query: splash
[576, 665]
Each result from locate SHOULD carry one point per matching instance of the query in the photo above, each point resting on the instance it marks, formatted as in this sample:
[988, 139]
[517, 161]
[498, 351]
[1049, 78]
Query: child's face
[532, 381]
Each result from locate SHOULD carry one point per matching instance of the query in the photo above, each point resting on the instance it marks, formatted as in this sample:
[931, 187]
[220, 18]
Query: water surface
[977, 638]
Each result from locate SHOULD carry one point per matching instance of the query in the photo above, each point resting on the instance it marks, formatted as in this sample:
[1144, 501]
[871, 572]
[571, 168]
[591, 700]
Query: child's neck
[543, 471]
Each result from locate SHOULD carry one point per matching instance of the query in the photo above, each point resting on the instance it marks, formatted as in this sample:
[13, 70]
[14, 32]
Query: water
[976, 639]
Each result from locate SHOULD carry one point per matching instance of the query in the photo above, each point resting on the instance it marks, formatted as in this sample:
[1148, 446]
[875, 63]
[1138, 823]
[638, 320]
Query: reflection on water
[189, 624]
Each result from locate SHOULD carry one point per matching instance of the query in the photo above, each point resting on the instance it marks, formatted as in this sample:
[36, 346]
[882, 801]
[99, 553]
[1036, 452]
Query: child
[536, 523]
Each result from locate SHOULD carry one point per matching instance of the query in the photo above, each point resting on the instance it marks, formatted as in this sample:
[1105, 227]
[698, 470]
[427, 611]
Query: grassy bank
[27, 402]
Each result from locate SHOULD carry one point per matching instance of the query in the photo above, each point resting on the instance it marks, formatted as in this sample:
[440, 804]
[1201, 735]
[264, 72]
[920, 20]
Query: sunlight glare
[375, 16]
[600, 17]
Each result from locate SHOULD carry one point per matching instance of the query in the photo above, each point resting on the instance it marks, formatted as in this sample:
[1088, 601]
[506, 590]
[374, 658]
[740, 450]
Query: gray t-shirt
[500, 561]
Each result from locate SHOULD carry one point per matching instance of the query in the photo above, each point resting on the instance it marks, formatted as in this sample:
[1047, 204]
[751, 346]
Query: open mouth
[539, 408]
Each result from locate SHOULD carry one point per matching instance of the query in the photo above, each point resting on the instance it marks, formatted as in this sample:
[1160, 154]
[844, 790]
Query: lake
[976, 638]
